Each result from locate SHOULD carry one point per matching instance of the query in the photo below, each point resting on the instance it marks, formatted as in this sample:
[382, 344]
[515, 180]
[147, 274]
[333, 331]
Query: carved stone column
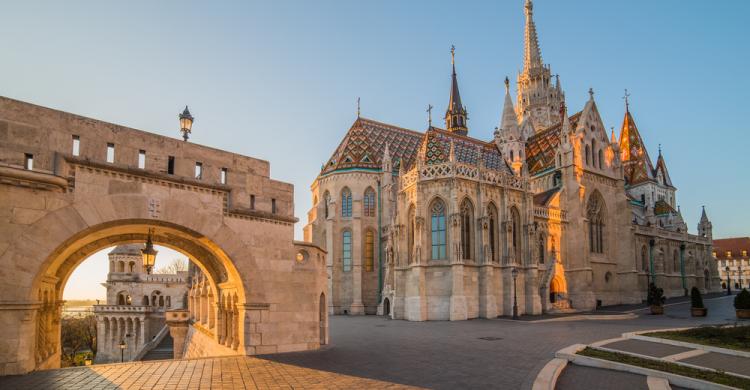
[178, 322]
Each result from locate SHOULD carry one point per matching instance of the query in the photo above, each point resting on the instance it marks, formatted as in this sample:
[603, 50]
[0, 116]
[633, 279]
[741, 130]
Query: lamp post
[186, 123]
[122, 350]
[514, 274]
[149, 254]
[729, 283]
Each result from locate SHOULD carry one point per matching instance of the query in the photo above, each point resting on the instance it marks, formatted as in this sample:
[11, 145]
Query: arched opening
[368, 202]
[346, 202]
[515, 233]
[54, 273]
[596, 215]
[467, 231]
[557, 289]
[492, 231]
[437, 230]
[323, 319]
[386, 307]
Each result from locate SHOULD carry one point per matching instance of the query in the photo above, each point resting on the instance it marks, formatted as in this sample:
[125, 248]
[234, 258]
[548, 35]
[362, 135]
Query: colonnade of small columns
[219, 317]
[121, 328]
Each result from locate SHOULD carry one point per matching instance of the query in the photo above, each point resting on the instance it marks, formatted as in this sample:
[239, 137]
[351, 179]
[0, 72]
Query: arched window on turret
[346, 250]
[467, 231]
[369, 250]
[601, 159]
[369, 202]
[437, 229]
[595, 214]
[326, 202]
[131, 267]
[588, 154]
[346, 202]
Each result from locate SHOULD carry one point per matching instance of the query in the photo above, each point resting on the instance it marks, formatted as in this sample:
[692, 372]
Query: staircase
[164, 350]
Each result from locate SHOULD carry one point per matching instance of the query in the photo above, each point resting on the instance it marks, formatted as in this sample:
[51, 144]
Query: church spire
[532, 54]
[508, 122]
[455, 115]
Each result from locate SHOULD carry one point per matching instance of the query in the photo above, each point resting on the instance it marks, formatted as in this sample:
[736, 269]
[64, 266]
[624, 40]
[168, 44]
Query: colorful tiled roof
[735, 245]
[662, 166]
[661, 207]
[436, 147]
[542, 146]
[364, 145]
[636, 163]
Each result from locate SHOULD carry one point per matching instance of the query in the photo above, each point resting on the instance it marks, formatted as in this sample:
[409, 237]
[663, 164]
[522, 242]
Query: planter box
[657, 309]
[698, 311]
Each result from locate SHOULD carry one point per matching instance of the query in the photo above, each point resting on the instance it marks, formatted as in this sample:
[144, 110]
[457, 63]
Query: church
[551, 215]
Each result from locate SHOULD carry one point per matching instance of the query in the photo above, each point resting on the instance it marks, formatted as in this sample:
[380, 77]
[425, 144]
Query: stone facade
[733, 261]
[552, 199]
[70, 186]
[135, 307]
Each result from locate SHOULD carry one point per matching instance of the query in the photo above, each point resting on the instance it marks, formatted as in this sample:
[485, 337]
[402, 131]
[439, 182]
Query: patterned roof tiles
[364, 145]
[542, 146]
[437, 143]
[635, 160]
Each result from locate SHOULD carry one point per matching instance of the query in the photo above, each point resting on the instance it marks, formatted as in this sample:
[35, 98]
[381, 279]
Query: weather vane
[453, 54]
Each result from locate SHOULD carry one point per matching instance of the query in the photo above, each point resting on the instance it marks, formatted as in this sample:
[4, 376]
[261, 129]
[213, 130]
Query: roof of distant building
[127, 249]
[739, 247]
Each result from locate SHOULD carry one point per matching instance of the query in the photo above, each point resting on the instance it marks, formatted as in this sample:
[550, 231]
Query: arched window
[120, 266]
[369, 250]
[369, 202]
[346, 203]
[588, 154]
[346, 248]
[601, 159]
[411, 226]
[542, 248]
[169, 301]
[595, 214]
[144, 301]
[676, 262]
[492, 214]
[593, 152]
[437, 228]
[467, 216]
[326, 201]
[644, 259]
[515, 231]
[131, 267]
[121, 299]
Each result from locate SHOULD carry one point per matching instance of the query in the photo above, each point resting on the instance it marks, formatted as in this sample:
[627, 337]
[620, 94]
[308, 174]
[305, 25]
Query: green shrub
[742, 300]
[696, 298]
[655, 295]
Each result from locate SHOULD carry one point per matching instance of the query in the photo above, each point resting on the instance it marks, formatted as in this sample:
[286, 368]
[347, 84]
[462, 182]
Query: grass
[672, 368]
[731, 337]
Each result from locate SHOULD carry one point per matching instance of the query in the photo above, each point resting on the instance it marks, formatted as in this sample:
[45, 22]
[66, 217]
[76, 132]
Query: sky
[279, 80]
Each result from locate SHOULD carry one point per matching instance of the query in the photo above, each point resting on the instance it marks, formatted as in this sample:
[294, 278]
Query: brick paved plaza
[373, 352]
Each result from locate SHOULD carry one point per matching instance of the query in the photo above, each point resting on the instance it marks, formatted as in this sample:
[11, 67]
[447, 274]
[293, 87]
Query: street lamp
[122, 350]
[729, 283]
[186, 123]
[149, 254]
[514, 274]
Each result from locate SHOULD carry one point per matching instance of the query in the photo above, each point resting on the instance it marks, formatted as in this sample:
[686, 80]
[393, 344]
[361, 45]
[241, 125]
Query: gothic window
[347, 250]
[676, 262]
[326, 201]
[595, 215]
[467, 216]
[542, 249]
[601, 159]
[593, 151]
[644, 259]
[369, 202]
[492, 213]
[369, 251]
[437, 228]
[588, 154]
[411, 222]
[346, 203]
[515, 229]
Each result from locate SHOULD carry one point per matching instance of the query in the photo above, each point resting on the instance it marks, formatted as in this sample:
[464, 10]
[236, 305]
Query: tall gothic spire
[532, 54]
[508, 122]
[455, 115]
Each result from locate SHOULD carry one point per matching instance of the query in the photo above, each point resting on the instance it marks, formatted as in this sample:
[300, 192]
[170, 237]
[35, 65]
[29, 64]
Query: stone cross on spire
[627, 102]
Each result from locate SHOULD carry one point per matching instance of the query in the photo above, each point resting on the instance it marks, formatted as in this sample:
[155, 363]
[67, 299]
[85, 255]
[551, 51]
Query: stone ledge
[547, 377]
[34, 179]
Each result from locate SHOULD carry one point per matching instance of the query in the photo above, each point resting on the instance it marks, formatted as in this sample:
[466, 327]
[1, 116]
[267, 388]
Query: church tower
[704, 226]
[537, 97]
[455, 115]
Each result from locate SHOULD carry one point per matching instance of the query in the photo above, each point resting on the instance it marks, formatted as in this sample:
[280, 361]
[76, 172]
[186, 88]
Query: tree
[175, 266]
[77, 334]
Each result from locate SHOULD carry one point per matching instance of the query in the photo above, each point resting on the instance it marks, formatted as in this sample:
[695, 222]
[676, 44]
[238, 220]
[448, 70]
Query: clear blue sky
[279, 80]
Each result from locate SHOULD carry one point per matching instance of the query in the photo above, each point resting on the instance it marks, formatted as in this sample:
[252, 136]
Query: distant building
[733, 253]
[136, 302]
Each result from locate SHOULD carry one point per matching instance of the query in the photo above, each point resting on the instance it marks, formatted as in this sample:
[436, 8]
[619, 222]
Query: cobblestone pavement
[372, 352]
